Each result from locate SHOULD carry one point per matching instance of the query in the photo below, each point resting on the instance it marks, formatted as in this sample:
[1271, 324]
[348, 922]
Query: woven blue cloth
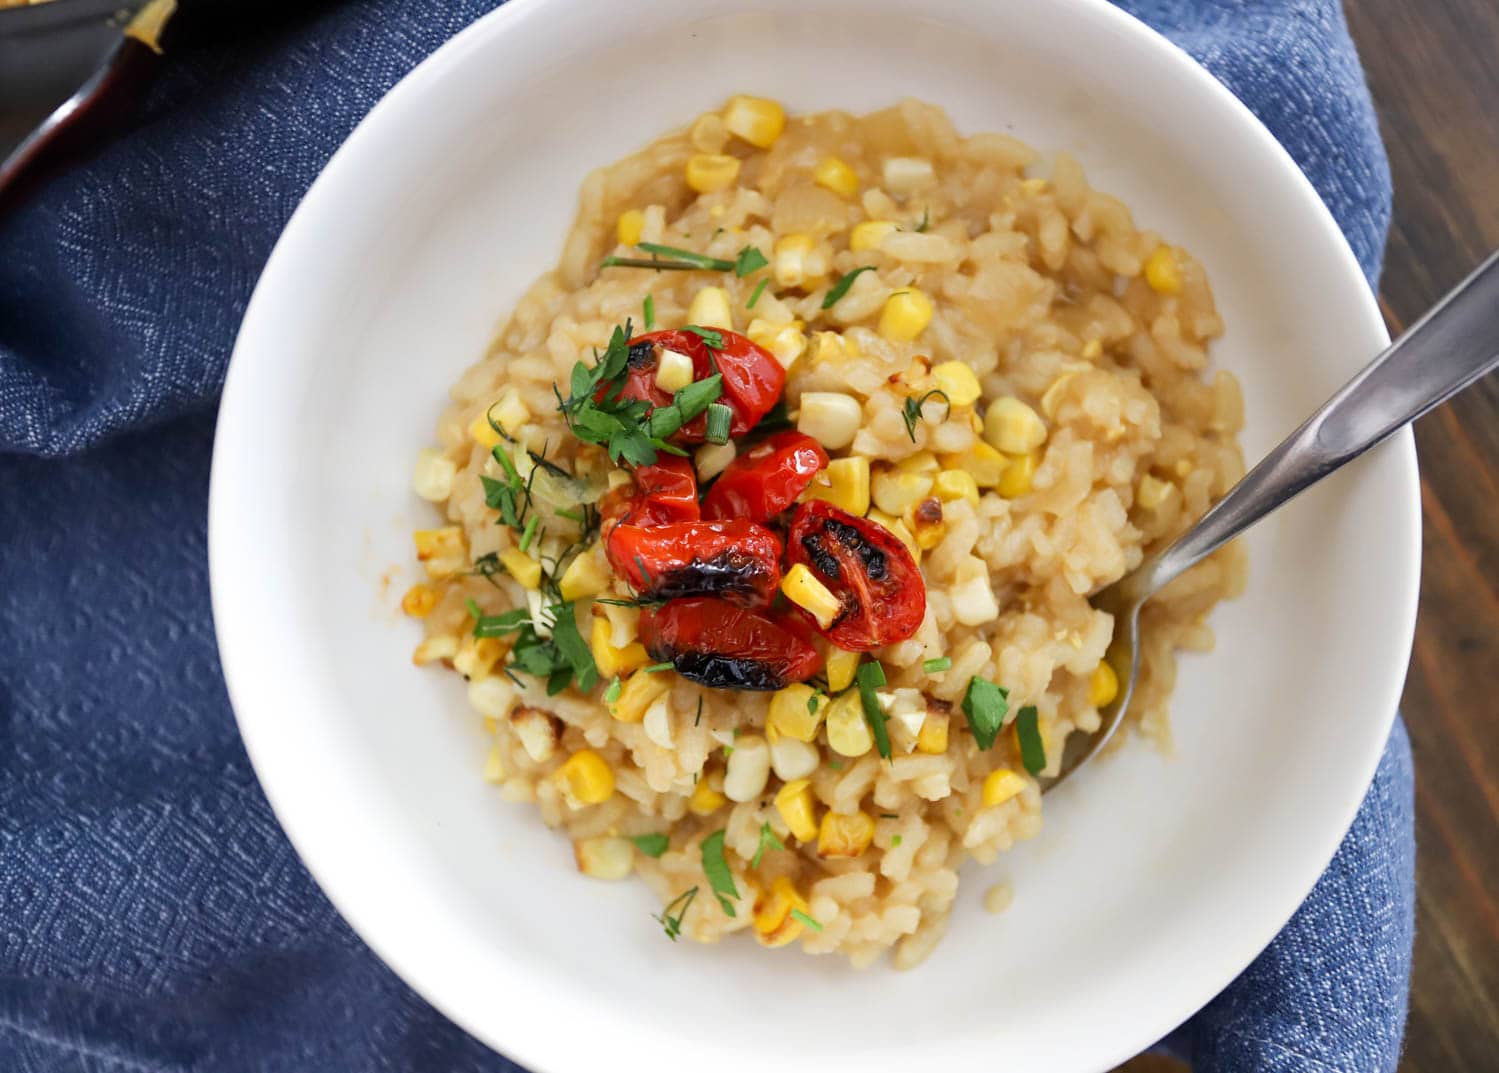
[152, 916]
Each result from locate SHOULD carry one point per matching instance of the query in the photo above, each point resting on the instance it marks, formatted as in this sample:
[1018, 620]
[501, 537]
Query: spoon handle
[1445, 351]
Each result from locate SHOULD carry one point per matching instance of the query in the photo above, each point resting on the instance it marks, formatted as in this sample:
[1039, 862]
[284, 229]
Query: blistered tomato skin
[878, 585]
[669, 489]
[719, 645]
[752, 377]
[766, 479]
[736, 560]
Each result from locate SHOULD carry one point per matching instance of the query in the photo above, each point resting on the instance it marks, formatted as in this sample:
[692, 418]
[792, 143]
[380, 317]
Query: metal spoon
[1447, 350]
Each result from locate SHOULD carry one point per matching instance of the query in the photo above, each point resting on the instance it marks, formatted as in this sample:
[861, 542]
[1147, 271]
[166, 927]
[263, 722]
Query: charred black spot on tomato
[872, 557]
[730, 574]
[726, 672]
[822, 559]
[642, 354]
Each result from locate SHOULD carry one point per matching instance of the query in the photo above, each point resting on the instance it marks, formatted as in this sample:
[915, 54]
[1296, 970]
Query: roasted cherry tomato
[866, 566]
[669, 489]
[766, 479]
[752, 378]
[737, 560]
[726, 647]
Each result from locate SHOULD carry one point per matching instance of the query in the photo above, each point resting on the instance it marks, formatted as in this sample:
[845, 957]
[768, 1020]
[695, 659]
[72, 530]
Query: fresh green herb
[889, 816]
[500, 496]
[571, 646]
[840, 288]
[699, 719]
[1032, 748]
[651, 845]
[560, 659]
[654, 667]
[805, 919]
[673, 924]
[648, 311]
[728, 751]
[596, 412]
[686, 404]
[895, 841]
[487, 566]
[768, 840]
[937, 666]
[750, 260]
[677, 260]
[985, 704]
[572, 515]
[759, 290]
[813, 703]
[497, 625]
[869, 678]
[911, 411]
[835, 765]
[615, 688]
[530, 533]
[926, 218]
[717, 871]
[712, 338]
[720, 419]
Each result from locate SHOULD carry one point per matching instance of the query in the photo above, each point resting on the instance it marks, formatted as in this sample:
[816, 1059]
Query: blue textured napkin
[152, 915]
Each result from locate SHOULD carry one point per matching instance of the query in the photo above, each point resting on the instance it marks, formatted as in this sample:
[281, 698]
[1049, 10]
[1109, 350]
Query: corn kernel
[1000, 785]
[791, 759]
[803, 588]
[794, 802]
[844, 483]
[831, 346]
[419, 600]
[925, 522]
[830, 417]
[1103, 685]
[629, 226]
[674, 370]
[904, 175]
[1018, 475]
[536, 731]
[1153, 492]
[954, 484]
[604, 858]
[477, 656]
[522, 567]
[587, 575]
[905, 315]
[956, 380]
[795, 263]
[708, 172]
[748, 768]
[1093, 349]
[920, 462]
[482, 432]
[836, 176]
[433, 649]
[443, 551]
[773, 921]
[432, 476]
[869, 234]
[1162, 271]
[786, 341]
[1013, 427]
[711, 460]
[894, 490]
[790, 715]
[841, 667]
[494, 765]
[897, 529]
[932, 738]
[844, 836]
[710, 309]
[585, 778]
[636, 695]
[610, 660]
[981, 461]
[971, 593]
[510, 413]
[757, 120]
[848, 733]
[705, 800]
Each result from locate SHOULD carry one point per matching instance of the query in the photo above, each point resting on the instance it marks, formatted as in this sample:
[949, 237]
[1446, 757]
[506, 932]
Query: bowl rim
[520, 1041]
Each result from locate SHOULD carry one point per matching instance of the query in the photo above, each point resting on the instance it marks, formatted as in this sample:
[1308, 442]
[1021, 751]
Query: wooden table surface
[1434, 70]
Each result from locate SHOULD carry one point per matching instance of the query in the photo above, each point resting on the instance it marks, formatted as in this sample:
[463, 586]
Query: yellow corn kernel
[1018, 475]
[443, 551]
[957, 381]
[956, 484]
[869, 234]
[757, 120]
[510, 413]
[587, 575]
[774, 923]
[1013, 427]
[477, 656]
[629, 226]
[844, 483]
[613, 661]
[1103, 685]
[522, 567]
[932, 738]
[674, 369]
[790, 715]
[905, 315]
[844, 836]
[710, 309]
[831, 346]
[636, 695]
[441, 647]
[803, 588]
[1153, 492]
[585, 778]
[794, 802]
[841, 667]
[705, 800]
[707, 172]
[494, 765]
[482, 432]
[981, 461]
[894, 490]
[419, 600]
[786, 341]
[925, 522]
[1162, 271]
[1000, 785]
[848, 733]
[920, 462]
[1032, 187]
[1093, 349]
[837, 176]
[898, 530]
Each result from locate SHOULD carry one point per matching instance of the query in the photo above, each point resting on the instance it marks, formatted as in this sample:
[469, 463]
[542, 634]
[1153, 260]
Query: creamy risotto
[770, 520]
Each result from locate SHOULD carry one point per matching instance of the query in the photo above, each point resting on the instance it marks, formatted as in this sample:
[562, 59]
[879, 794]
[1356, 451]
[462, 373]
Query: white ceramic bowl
[1155, 881]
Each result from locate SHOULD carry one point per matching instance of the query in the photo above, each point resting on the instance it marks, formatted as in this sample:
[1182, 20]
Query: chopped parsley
[750, 260]
[648, 311]
[651, 845]
[985, 704]
[937, 666]
[673, 924]
[768, 840]
[807, 920]
[869, 678]
[497, 625]
[840, 288]
[911, 412]
[563, 659]
[712, 338]
[759, 290]
[1028, 732]
[716, 868]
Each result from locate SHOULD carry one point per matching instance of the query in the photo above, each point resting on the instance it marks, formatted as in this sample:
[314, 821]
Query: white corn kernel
[712, 459]
[786, 341]
[536, 732]
[605, 858]
[510, 413]
[443, 646]
[791, 759]
[748, 769]
[657, 722]
[432, 479]
[830, 417]
[673, 371]
[492, 697]
[972, 593]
